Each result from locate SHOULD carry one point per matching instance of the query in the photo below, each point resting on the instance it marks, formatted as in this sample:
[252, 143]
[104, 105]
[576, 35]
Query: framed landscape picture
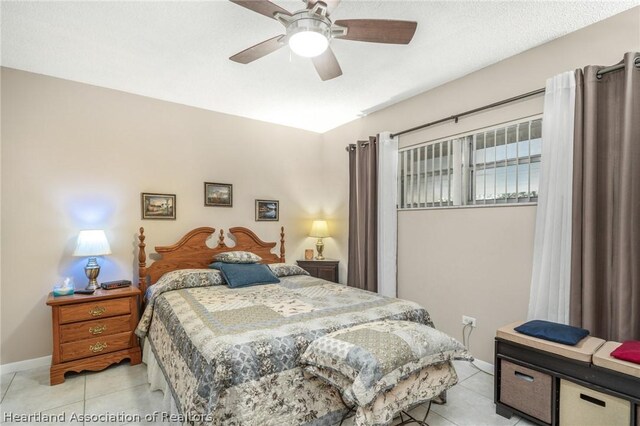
[158, 206]
[267, 210]
[218, 194]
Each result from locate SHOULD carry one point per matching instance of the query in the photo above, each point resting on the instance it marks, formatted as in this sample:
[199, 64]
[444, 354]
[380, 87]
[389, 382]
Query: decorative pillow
[376, 356]
[175, 280]
[334, 378]
[628, 351]
[238, 257]
[554, 332]
[216, 266]
[285, 269]
[244, 275]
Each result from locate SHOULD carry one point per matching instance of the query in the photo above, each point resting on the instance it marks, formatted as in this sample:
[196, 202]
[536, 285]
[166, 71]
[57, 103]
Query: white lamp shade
[319, 229]
[92, 243]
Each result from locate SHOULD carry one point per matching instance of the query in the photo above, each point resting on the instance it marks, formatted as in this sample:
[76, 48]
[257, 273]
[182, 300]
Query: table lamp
[92, 243]
[319, 230]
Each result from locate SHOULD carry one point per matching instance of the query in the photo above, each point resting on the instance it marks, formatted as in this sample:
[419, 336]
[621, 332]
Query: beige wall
[76, 156]
[474, 261]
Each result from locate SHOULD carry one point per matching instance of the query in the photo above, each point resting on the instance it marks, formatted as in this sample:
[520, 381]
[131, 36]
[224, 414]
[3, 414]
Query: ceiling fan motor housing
[305, 21]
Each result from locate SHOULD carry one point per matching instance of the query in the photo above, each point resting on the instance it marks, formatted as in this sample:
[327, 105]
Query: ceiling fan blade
[262, 7]
[327, 65]
[259, 50]
[378, 30]
[331, 4]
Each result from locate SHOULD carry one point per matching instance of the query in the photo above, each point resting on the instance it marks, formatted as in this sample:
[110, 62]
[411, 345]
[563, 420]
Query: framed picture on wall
[158, 206]
[267, 210]
[218, 194]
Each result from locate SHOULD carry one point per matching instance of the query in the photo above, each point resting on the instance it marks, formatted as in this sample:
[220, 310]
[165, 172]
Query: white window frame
[460, 171]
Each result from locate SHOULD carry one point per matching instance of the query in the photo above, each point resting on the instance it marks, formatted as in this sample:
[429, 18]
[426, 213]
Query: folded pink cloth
[628, 351]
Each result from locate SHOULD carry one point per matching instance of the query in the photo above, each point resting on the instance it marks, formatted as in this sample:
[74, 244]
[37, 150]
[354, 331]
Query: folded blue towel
[554, 332]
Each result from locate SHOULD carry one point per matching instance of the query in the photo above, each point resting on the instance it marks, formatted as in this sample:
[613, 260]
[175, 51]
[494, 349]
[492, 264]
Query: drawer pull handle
[97, 311]
[593, 400]
[98, 347]
[98, 329]
[525, 377]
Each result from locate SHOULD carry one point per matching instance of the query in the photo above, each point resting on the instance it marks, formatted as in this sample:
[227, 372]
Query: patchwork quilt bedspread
[231, 356]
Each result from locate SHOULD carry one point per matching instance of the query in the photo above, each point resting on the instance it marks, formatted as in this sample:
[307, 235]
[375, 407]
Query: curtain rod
[636, 63]
[455, 117]
[352, 147]
[471, 111]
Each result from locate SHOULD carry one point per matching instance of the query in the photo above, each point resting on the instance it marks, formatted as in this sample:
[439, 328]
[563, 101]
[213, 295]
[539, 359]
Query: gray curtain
[605, 258]
[363, 215]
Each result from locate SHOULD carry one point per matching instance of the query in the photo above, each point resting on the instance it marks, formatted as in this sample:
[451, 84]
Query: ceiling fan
[309, 31]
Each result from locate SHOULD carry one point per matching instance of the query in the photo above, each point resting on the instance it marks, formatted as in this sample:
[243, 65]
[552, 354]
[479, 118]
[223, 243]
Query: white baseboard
[27, 364]
[485, 366]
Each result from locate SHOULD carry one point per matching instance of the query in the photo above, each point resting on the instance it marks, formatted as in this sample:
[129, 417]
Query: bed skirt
[156, 380]
[435, 380]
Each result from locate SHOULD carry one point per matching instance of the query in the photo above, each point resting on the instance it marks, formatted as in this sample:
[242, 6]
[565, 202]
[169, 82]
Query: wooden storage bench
[553, 384]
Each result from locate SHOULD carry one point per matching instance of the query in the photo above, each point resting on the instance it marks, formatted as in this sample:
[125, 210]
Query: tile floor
[470, 402]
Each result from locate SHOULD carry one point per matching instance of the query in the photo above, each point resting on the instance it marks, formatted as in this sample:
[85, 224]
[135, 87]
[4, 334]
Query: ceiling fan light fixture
[308, 44]
[308, 36]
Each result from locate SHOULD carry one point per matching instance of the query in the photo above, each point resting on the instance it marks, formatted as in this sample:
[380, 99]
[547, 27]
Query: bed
[229, 356]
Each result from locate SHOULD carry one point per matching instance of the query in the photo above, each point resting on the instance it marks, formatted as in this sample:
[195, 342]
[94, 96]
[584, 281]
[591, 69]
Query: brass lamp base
[92, 270]
[320, 248]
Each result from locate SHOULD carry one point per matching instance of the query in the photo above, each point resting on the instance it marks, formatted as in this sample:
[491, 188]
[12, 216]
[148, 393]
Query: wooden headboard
[192, 252]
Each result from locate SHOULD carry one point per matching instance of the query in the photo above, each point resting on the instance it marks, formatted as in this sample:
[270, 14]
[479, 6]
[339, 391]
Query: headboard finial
[221, 239]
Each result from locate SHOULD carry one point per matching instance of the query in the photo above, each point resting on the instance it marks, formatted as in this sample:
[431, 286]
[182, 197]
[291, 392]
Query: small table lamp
[92, 243]
[319, 230]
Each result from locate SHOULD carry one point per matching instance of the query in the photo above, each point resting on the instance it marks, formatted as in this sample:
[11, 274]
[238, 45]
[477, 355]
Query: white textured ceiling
[177, 51]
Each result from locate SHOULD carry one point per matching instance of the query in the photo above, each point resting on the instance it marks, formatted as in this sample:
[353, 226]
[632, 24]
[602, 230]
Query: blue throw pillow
[245, 274]
[553, 332]
[216, 265]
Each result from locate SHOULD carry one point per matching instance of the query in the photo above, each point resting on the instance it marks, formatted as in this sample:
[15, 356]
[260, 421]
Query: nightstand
[326, 269]
[91, 332]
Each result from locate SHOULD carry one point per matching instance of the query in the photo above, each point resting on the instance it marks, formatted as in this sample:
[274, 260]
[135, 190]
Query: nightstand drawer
[94, 310]
[90, 329]
[96, 346]
[325, 269]
[327, 273]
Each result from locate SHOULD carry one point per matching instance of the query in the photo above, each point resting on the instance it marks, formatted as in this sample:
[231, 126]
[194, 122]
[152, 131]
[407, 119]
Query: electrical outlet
[468, 320]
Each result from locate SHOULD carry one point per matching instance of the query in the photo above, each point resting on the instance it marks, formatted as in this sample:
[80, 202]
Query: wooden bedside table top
[319, 261]
[99, 294]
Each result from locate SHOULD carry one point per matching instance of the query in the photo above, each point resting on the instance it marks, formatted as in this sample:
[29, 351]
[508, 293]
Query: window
[498, 165]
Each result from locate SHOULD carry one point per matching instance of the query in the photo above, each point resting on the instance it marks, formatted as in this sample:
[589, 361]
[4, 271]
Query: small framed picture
[218, 194]
[308, 254]
[267, 210]
[158, 206]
